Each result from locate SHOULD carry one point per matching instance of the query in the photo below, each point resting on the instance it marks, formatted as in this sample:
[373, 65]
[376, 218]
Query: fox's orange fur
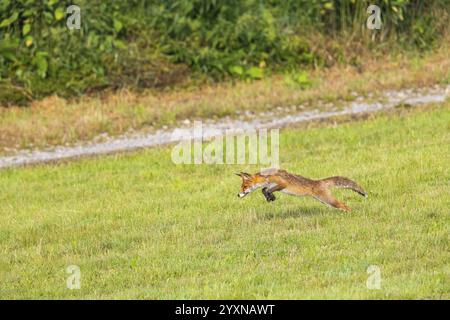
[280, 180]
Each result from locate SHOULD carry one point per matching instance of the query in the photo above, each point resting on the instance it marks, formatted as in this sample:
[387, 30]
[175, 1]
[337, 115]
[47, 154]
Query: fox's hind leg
[332, 201]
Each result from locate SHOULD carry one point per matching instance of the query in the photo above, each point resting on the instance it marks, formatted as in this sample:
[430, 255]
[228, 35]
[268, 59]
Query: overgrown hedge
[153, 43]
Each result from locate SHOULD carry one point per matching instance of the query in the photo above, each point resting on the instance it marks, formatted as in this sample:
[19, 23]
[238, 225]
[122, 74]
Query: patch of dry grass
[55, 121]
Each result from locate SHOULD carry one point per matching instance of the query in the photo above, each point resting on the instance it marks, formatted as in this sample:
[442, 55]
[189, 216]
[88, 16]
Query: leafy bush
[155, 43]
[38, 52]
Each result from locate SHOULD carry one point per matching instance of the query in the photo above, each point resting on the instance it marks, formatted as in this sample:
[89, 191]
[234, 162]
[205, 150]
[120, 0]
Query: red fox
[280, 180]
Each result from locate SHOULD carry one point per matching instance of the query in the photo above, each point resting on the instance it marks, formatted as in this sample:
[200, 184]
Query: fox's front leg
[269, 195]
[268, 192]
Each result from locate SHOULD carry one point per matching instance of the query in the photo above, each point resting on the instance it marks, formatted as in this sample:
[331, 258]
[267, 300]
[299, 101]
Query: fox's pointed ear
[245, 175]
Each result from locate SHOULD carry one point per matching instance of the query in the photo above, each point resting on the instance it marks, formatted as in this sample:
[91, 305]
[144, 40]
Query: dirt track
[210, 128]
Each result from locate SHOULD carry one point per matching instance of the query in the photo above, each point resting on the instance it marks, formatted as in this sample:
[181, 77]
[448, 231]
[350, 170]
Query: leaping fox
[280, 180]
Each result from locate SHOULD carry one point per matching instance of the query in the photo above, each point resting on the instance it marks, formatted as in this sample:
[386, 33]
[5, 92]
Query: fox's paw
[270, 197]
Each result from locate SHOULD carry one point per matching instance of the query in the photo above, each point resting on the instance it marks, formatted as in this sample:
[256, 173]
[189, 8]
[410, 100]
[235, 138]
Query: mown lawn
[139, 226]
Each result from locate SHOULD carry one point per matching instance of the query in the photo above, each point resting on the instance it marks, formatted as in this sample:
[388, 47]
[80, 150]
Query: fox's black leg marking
[269, 195]
[268, 192]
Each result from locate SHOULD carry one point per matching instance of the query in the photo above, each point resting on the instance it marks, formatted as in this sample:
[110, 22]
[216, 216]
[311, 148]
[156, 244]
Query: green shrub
[153, 43]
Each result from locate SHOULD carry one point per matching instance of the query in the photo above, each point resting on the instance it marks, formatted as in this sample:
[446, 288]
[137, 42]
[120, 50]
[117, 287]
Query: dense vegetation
[156, 43]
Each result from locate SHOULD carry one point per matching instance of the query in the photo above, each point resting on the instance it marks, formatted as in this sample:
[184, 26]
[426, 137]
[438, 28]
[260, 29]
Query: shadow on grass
[278, 213]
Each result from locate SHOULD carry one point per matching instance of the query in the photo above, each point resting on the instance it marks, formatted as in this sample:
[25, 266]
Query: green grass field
[139, 226]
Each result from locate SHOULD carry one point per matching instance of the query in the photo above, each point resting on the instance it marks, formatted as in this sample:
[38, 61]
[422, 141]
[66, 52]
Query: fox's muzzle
[242, 194]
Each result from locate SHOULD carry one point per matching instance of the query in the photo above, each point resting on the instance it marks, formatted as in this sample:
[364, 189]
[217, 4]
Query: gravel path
[139, 140]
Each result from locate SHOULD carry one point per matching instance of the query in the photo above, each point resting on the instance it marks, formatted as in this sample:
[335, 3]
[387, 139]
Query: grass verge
[55, 121]
[139, 226]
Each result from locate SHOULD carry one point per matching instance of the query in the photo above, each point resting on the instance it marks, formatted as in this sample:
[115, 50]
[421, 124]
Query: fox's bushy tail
[342, 182]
